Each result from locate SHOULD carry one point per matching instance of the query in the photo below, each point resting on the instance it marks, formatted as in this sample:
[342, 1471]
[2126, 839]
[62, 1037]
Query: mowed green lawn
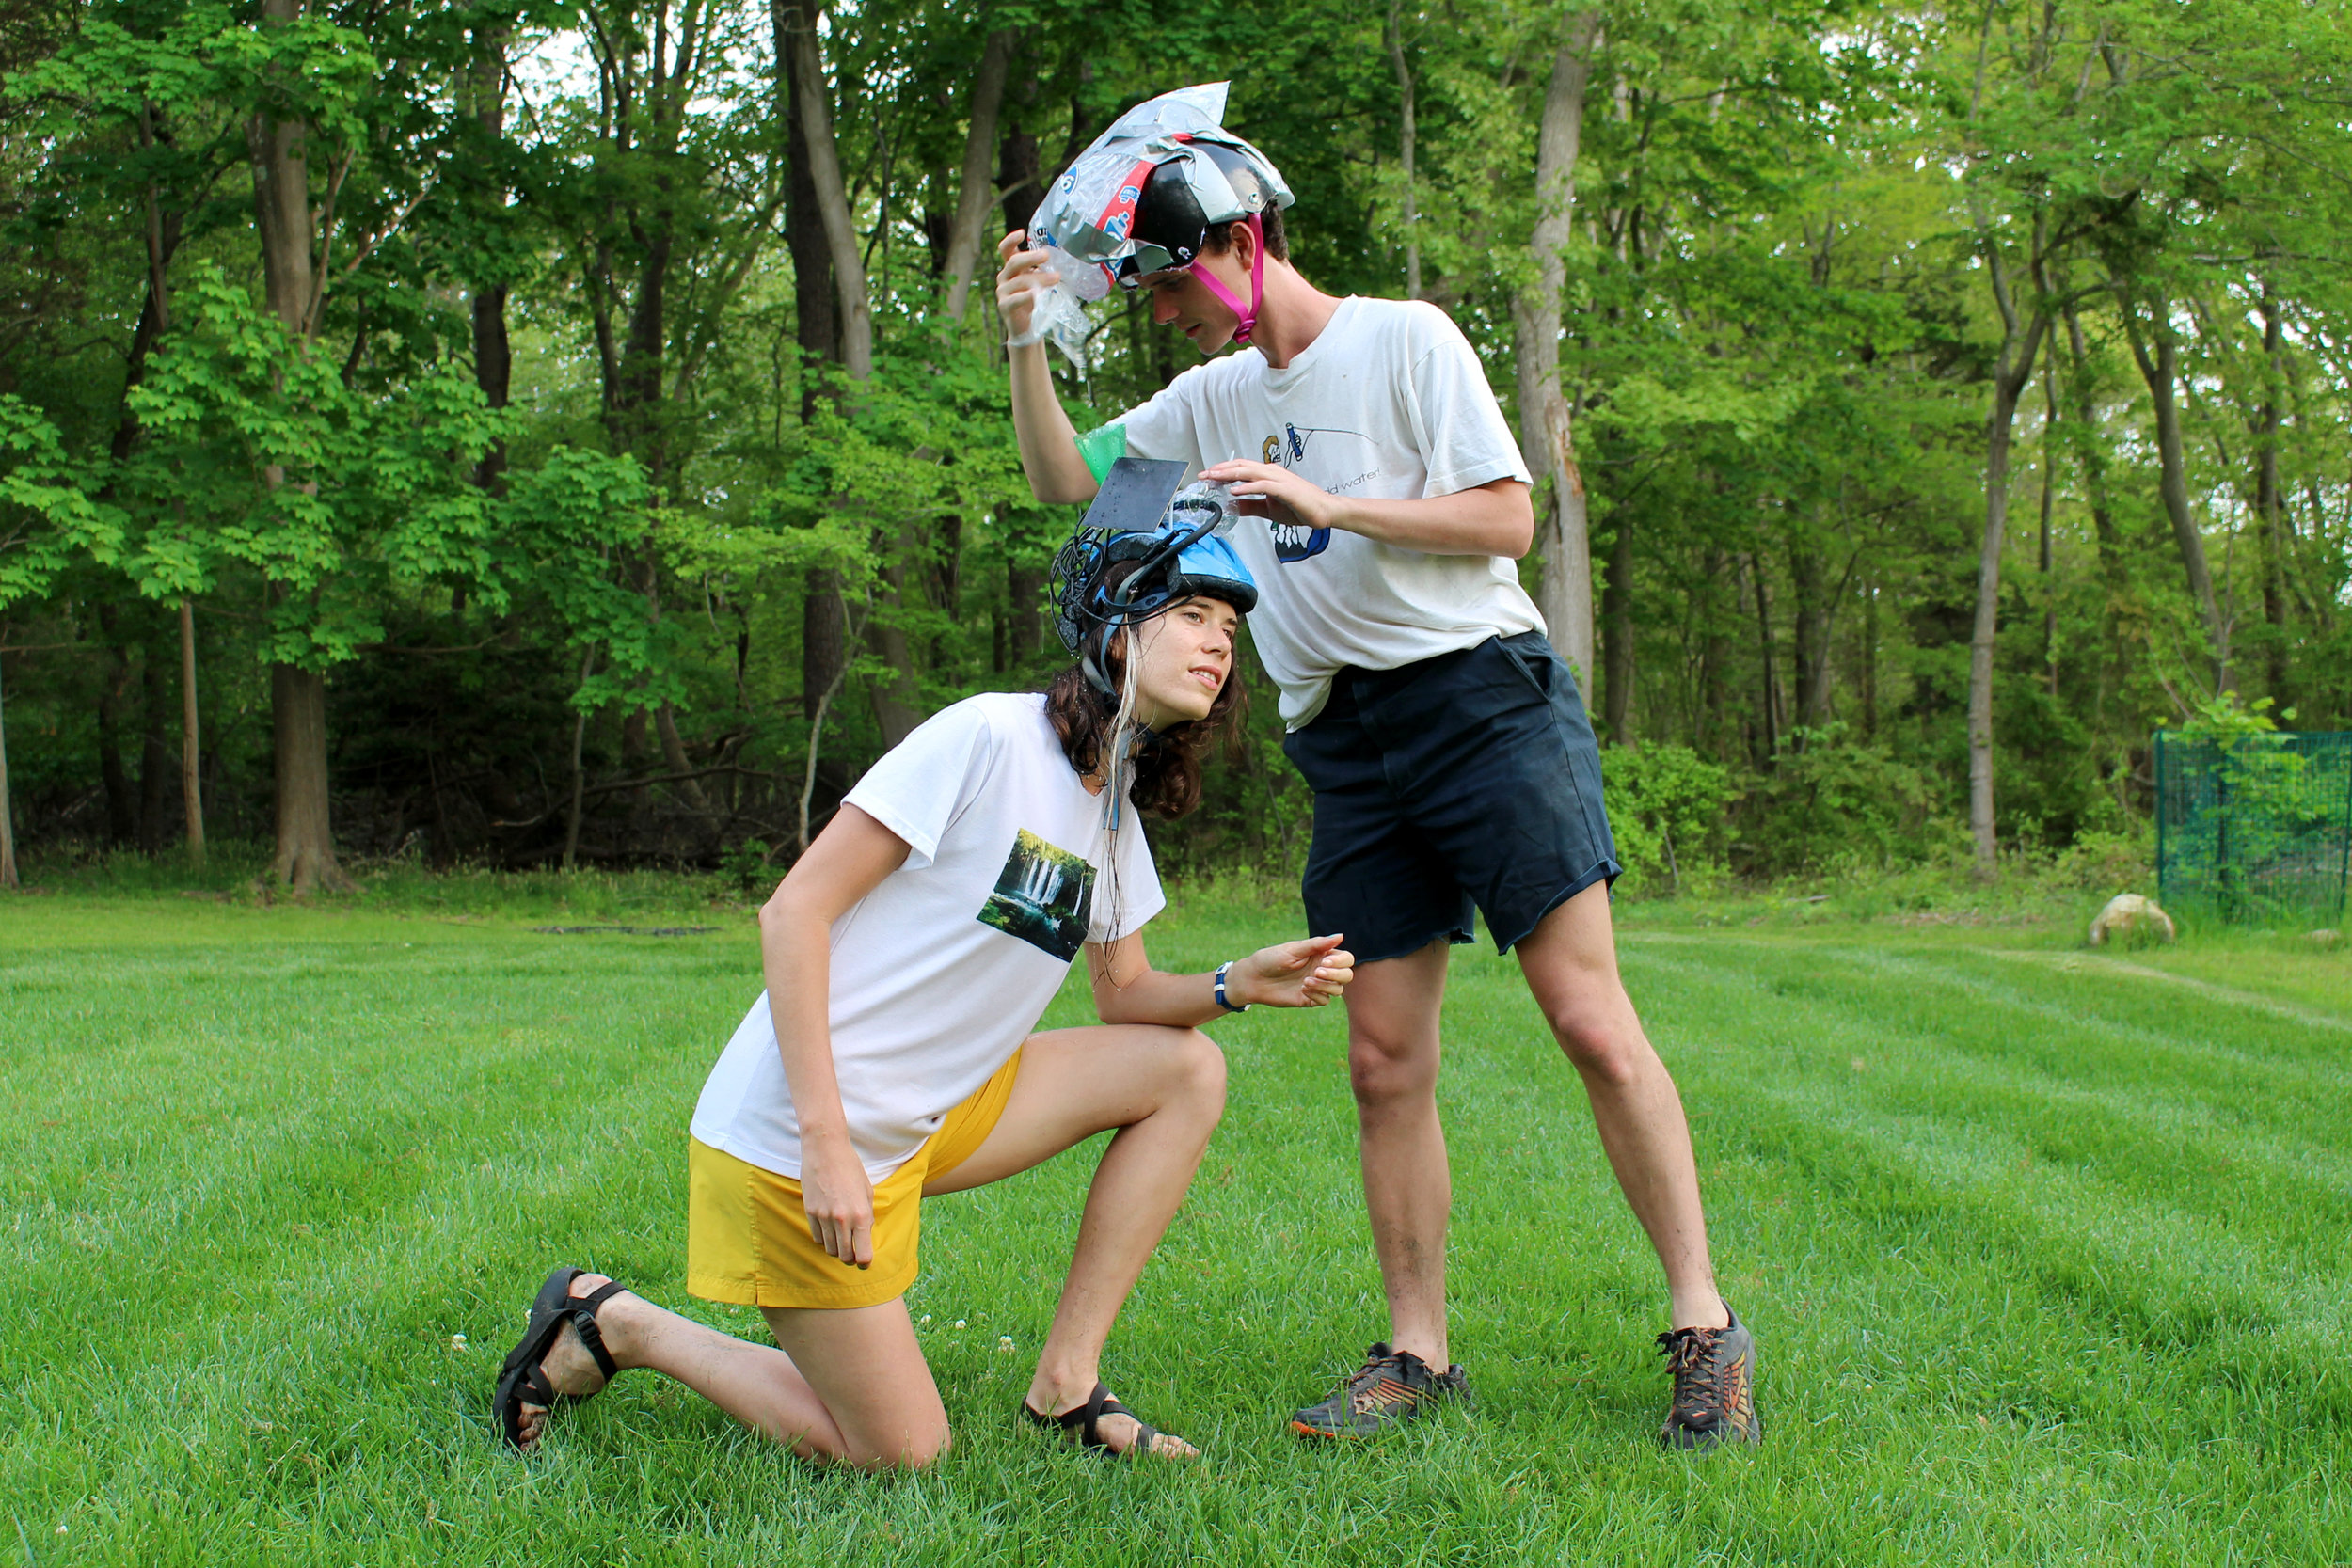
[2047, 1254]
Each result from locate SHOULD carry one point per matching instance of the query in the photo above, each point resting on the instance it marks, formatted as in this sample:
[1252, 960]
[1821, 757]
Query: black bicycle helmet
[1171, 220]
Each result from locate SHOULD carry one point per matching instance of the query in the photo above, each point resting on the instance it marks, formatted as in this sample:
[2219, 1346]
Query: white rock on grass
[2129, 916]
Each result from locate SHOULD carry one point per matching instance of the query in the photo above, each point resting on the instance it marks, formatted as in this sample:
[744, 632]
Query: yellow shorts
[747, 1236]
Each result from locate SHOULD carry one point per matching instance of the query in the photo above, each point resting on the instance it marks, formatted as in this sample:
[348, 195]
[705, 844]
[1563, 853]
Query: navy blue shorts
[1468, 779]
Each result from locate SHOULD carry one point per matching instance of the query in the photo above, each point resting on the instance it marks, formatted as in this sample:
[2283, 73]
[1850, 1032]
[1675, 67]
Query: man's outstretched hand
[1303, 973]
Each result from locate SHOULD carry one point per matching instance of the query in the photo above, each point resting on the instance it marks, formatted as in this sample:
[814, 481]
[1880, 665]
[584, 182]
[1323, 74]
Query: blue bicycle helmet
[1179, 558]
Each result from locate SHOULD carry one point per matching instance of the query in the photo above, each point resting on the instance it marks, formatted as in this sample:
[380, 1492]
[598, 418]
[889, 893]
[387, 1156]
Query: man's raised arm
[1049, 442]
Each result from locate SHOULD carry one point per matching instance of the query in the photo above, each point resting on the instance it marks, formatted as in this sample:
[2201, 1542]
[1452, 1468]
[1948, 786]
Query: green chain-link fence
[2254, 827]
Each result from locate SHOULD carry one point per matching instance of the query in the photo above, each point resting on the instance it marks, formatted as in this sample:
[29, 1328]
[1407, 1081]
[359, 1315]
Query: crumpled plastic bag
[1082, 193]
[1190, 506]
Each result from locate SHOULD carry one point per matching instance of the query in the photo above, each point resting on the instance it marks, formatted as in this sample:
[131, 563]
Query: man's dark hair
[1278, 242]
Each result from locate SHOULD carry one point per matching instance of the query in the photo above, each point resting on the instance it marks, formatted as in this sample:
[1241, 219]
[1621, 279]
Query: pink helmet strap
[1248, 314]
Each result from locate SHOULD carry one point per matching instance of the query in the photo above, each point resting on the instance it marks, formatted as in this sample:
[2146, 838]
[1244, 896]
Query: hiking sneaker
[1714, 1373]
[1391, 1387]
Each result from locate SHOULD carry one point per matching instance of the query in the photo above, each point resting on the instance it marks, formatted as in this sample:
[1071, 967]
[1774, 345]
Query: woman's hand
[1018, 281]
[1293, 974]
[837, 1198]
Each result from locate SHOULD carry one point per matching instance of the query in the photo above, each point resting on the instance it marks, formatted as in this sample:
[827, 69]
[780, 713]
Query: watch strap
[1222, 999]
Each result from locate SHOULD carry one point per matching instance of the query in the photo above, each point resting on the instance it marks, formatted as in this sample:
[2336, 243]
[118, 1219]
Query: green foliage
[1830, 802]
[1666, 806]
[47, 518]
[260, 453]
[1777, 335]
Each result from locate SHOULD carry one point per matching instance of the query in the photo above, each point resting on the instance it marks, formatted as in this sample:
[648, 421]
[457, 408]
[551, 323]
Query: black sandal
[523, 1379]
[1082, 1424]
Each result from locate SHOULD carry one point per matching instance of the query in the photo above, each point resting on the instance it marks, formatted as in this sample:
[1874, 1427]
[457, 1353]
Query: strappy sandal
[1082, 1425]
[523, 1379]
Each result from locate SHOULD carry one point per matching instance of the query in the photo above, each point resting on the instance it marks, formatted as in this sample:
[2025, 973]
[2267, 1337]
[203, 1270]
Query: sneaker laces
[1381, 1364]
[1698, 1377]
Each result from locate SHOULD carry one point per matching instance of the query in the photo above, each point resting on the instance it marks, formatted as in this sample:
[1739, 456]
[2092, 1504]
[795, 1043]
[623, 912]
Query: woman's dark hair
[1167, 779]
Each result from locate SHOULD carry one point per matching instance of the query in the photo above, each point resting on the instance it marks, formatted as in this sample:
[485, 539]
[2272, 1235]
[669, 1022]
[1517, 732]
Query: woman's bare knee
[1201, 1068]
[918, 1450]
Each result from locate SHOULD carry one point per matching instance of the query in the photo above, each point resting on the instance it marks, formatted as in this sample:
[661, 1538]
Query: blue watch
[1222, 999]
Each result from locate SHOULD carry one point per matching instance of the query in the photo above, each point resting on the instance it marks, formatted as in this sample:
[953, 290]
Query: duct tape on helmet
[1089, 213]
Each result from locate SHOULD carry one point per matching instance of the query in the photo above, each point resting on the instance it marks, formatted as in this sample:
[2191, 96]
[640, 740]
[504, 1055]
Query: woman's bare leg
[872, 1403]
[850, 1385]
[1165, 1090]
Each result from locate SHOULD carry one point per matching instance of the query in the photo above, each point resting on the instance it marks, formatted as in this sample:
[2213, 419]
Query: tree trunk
[1871, 661]
[282, 200]
[155, 767]
[2161, 371]
[1809, 637]
[2269, 503]
[1545, 434]
[305, 856]
[191, 792]
[493, 354]
[824, 655]
[1407, 149]
[822, 647]
[580, 774]
[974, 196]
[796, 23]
[1025, 615]
[817, 323]
[1706, 724]
[898, 697]
[1017, 172]
[674, 758]
[1617, 604]
[2088, 454]
[7, 819]
[1768, 661]
[122, 806]
[2012, 372]
[2049, 498]
[281, 207]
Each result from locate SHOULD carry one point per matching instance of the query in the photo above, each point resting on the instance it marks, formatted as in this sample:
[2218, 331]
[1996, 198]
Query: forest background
[519, 434]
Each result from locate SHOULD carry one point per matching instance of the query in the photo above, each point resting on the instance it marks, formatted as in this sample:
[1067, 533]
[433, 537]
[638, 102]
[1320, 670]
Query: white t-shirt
[1390, 401]
[940, 973]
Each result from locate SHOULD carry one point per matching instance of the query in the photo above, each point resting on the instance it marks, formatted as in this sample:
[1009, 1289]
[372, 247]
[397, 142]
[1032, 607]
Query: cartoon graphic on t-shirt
[1296, 541]
[1044, 896]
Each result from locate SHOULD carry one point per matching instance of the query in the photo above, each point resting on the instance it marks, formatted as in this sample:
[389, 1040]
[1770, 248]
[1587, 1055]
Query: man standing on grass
[1449, 751]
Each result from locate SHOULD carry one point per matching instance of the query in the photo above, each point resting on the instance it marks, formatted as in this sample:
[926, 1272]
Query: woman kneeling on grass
[906, 956]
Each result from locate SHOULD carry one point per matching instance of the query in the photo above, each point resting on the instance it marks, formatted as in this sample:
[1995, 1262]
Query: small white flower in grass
[927, 1317]
[1004, 1344]
[458, 1341]
[959, 1323]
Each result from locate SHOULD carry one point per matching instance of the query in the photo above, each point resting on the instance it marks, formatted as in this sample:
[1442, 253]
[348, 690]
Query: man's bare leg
[1571, 965]
[1392, 1053]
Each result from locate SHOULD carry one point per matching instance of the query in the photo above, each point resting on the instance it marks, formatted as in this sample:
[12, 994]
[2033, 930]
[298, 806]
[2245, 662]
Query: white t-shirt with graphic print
[1390, 401]
[940, 973]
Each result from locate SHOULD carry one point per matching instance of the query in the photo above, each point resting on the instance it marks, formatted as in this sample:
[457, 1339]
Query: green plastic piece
[1102, 448]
